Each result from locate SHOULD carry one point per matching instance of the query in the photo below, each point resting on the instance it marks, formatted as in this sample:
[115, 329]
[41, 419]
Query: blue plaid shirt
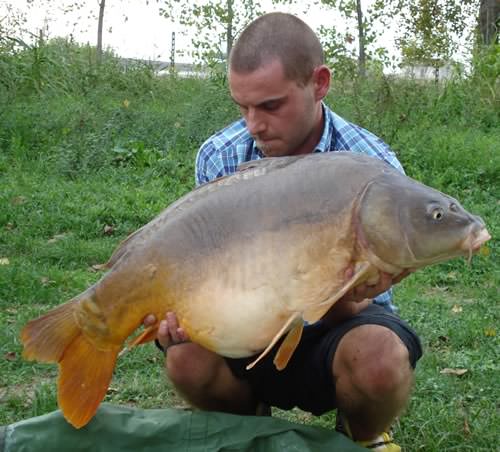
[227, 149]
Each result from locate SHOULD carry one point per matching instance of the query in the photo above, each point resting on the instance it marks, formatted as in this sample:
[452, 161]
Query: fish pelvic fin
[84, 377]
[45, 339]
[291, 320]
[149, 334]
[288, 346]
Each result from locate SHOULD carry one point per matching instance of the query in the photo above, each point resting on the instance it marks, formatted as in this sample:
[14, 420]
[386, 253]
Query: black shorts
[307, 381]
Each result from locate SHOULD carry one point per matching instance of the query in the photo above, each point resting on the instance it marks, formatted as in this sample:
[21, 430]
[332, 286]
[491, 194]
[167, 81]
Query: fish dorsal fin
[317, 311]
[288, 346]
[291, 320]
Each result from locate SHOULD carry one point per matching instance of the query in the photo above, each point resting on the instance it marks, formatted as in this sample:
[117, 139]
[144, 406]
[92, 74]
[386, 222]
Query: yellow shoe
[382, 443]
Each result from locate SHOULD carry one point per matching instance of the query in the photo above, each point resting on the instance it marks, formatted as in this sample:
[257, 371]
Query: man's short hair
[278, 36]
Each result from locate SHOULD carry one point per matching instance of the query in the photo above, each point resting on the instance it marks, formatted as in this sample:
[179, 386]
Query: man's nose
[254, 120]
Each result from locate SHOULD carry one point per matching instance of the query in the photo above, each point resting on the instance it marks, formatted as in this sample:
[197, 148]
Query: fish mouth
[474, 241]
[479, 239]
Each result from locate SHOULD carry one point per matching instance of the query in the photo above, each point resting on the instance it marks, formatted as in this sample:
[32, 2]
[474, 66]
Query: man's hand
[360, 297]
[169, 331]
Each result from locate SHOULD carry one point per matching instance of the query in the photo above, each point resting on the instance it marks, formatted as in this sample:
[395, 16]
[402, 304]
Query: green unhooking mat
[124, 429]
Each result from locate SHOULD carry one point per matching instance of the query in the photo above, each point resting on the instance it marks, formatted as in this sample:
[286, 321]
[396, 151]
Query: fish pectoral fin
[149, 334]
[293, 318]
[314, 313]
[84, 377]
[288, 346]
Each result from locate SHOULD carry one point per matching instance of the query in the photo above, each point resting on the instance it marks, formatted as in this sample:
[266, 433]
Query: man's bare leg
[373, 378]
[204, 379]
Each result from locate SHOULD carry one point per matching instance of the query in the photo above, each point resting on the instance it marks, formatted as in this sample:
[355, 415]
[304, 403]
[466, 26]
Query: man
[359, 358]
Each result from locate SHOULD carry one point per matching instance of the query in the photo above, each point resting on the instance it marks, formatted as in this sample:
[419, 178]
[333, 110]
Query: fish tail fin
[84, 376]
[45, 339]
[84, 371]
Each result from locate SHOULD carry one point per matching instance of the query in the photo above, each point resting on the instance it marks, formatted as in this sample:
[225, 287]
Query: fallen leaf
[466, 427]
[484, 251]
[126, 103]
[108, 230]
[457, 372]
[98, 267]
[18, 200]
[56, 238]
[10, 356]
[490, 332]
[456, 309]
[46, 281]
[4, 261]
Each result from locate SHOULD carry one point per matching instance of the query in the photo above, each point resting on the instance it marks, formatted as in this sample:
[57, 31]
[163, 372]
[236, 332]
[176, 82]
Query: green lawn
[53, 229]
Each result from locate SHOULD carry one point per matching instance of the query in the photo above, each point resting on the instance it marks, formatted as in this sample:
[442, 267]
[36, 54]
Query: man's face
[283, 117]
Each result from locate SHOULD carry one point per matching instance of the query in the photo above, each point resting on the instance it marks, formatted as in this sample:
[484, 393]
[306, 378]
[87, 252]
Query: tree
[102, 4]
[360, 21]
[361, 40]
[430, 29]
[489, 21]
[214, 22]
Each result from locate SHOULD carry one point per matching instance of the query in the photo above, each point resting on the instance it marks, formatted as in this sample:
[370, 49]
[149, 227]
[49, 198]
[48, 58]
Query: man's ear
[321, 80]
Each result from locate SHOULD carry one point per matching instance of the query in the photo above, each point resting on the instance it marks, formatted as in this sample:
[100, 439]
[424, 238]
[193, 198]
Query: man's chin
[270, 150]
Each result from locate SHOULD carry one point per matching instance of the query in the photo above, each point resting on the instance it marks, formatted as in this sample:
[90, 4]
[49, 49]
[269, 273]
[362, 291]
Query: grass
[79, 173]
[52, 232]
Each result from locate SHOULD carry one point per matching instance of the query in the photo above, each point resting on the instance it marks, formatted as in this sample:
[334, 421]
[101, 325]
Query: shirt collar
[325, 142]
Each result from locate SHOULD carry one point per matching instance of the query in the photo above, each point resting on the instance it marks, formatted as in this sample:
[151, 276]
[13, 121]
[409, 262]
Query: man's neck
[311, 142]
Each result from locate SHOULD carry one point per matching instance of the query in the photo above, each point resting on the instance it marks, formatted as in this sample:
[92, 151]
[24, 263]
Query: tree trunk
[489, 17]
[229, 29]
[99, 31]
[361, 41]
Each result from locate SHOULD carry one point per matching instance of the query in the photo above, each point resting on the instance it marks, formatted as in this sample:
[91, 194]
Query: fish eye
[437, 214]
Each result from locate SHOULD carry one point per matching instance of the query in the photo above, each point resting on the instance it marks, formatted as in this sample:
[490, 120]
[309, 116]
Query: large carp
[247, 258]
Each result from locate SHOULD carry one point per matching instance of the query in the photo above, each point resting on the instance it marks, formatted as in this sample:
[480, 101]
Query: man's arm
[208, 164]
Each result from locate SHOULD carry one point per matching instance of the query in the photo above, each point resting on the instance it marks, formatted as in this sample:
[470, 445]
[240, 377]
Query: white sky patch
[136, 30]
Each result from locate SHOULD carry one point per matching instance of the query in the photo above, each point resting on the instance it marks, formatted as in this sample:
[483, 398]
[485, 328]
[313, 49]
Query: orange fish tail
[84, 376]
[45, 339]
[84, 371]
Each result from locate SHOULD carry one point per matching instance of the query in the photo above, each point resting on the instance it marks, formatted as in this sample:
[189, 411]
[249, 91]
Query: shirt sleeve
[207, 165]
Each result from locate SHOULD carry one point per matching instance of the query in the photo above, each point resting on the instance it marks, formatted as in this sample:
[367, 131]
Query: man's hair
[278, 36]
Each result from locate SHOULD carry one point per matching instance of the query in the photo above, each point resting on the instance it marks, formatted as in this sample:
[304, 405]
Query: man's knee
[375, 359]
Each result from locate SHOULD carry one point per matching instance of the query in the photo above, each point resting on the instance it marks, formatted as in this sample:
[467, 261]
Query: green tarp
[124, 429]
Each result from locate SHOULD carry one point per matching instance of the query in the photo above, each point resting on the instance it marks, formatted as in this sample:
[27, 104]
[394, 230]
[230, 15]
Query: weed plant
[89, 154]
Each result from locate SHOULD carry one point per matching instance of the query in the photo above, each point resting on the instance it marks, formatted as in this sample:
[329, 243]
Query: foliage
[339, 51]
[215, 22]
[89, 156]
[430, 29]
